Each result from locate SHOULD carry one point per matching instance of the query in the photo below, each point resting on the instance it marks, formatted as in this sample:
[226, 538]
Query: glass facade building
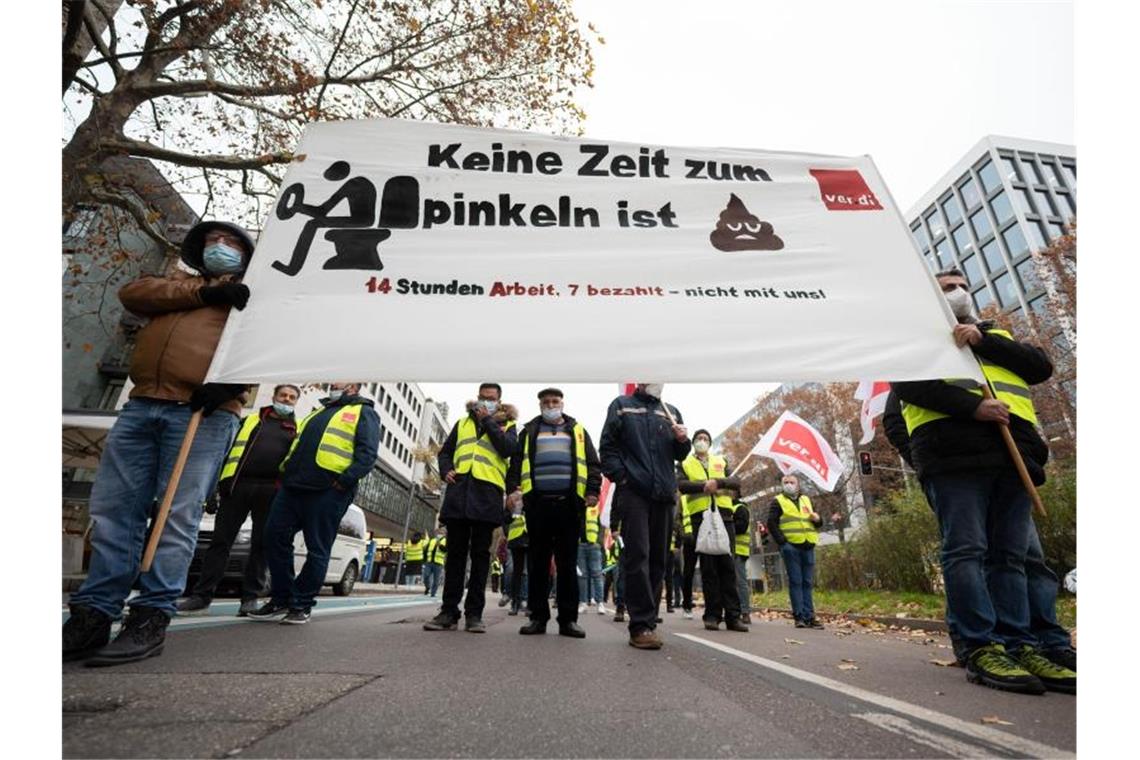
[1004, 199]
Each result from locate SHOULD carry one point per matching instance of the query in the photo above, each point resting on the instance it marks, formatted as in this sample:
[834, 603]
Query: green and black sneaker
[992, 666]
[1055, 677]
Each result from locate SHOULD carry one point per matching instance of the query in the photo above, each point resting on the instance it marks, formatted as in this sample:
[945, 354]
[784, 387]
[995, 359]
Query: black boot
[571, 629]
[85, 631]
[533, 628]
[141, 636]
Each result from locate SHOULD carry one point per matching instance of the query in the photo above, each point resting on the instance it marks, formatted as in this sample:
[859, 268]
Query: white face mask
[960, 303]
[654, 389]
[790, 489]
[701, 446]
[335, 394]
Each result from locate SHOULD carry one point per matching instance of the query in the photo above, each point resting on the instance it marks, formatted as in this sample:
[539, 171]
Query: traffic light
[865, 462]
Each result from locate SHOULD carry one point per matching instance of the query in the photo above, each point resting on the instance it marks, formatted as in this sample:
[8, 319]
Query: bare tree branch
[136, 212]
[146, 150]
[97, 40]
[332, 56]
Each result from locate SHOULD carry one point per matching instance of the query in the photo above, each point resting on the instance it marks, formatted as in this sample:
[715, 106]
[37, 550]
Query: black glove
[210, 506]
[210, 396]
[227, 294]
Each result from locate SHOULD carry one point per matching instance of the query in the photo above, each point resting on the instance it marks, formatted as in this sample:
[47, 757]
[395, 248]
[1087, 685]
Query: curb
[921, 624]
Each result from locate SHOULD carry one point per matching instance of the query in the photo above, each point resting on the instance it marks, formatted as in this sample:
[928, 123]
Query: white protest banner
[402, 250]
[793, 443]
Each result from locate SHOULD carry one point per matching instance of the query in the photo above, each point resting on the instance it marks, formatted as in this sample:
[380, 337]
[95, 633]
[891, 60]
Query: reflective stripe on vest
[581, 474]
[496, 568]
[334, 451]
[1007, 386]
[475, 453]
[437, 550]
[414, 552]
[795, 527]
[248, 425]
[518, 528]
[593, 524]
[694, 470]
[686, 523]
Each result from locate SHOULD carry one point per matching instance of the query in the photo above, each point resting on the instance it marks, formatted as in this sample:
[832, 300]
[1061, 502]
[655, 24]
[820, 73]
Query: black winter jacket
[593, 466]
[469, 498]
[959, 442]
[638, 448]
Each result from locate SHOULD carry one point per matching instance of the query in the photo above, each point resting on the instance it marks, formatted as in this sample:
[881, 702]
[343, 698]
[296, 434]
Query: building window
[992, 254]
[962, 240]
[1052, 178]
[981, 223]
[1045, 205]
[945, 260]
[1055, 230]
[982, 297]
[934, 222]
[1039, 305]
[972, 269]
[1027, 273]
[1071, 203]
[1032, 173]
[81, 224]
[953, 213]
[929, 262]
[969, 191]
[1014, 242]
[1070, 172]
[1036, 239]
[920, 237]
[1006, 290]
[1021, 198]
[1003, 212]
[989, 177]
[1009, 168]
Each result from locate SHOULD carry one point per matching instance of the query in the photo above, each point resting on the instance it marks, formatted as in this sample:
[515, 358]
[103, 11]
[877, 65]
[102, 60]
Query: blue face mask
[552, 415]
[220, 258]
[283, 409]
[490, 406]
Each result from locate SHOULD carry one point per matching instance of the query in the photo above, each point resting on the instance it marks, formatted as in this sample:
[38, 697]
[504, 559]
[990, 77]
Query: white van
[345, 560]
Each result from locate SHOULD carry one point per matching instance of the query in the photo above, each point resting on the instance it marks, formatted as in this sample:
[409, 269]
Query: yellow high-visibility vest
[686, 523]
[581, 474]
[1007, 386]
[248, 425]
[743, 544]
[437, 550]
[593, 524]
[475, 453]
[334, 452]
[694, 470]
[414, 551]
[796, 527]
[496, 568]
[517, 528]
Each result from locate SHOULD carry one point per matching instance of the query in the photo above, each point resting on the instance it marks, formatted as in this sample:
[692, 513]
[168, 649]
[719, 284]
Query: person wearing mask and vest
[590, 585]
[641, 441]
[742, 550]
[514, 524]
[556, 478]
[435, 559]
[247, 486]
[474, 460]
[983, 509]
[704, 483]
[173, 351]
[792, 524]
[414, 551]
[336, 446]
[496, 574]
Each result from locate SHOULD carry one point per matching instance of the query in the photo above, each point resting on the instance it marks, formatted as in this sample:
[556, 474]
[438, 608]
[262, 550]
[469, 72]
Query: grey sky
[913, 84]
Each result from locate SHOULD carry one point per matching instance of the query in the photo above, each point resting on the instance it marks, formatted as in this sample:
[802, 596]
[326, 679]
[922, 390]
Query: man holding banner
[474, 460]
[642, 440]
[170, 361]
[983, 509]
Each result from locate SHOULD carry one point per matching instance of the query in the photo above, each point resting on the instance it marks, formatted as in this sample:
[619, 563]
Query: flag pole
[1014, 452]
[171, 489]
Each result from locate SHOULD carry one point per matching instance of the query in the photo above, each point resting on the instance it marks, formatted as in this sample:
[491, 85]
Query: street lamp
[407, 521]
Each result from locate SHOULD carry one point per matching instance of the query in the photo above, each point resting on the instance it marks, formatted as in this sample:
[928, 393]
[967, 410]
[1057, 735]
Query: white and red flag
[873, 394]
[793, 442]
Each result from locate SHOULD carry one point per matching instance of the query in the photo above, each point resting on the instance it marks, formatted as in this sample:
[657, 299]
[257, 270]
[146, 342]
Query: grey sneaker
[475, 625]
[296, 617]
[193, 605]
[247, 606]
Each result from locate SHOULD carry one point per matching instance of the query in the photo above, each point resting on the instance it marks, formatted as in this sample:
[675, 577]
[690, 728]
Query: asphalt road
[364, 680]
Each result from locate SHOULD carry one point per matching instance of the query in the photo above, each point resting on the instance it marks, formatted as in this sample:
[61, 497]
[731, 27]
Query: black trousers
[645, 531]
[518, 567]
[670, 565]
[718, 576]
[553, 524]
[688, 567]
[466, 538]
[249, 497]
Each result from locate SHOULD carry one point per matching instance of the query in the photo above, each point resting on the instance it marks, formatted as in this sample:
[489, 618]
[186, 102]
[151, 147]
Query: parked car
[345, 560]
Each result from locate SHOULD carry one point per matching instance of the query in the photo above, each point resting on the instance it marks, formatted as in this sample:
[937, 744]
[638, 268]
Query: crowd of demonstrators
[1000, 595]
[540, 484]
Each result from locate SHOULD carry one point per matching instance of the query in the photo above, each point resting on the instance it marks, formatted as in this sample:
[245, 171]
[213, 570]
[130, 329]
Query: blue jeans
[800, 566]
[742, 586]
[433, 574]
[1042, 585]
[590, 573]
[985, 525]
[317, 514]
[133, 472]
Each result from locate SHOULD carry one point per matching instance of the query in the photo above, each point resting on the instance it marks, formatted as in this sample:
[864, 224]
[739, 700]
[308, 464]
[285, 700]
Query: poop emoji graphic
[738, 229]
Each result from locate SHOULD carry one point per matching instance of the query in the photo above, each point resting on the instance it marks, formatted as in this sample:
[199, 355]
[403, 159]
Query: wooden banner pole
[1018, 462]
[171, 489]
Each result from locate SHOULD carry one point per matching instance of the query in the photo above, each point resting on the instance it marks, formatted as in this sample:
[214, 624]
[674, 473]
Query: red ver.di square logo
[845, 190]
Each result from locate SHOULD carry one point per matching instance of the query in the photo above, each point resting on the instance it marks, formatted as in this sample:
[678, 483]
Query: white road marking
[1002, 739]
[195, 620]
[896, 724]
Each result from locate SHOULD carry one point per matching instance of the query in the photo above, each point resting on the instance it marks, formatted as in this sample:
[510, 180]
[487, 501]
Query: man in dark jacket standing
[641, 442]
[983, 509]
[474, 460]
[335, 447]
[247, 487]
[557, 477]
[172, 354]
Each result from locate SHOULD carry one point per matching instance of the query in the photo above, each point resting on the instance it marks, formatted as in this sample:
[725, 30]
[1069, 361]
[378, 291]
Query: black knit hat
[195, 241]
[549, 392]
[702, 430]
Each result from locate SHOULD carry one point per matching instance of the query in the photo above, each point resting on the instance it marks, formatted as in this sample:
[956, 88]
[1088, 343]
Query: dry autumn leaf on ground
[792, 641]
[995, 720]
